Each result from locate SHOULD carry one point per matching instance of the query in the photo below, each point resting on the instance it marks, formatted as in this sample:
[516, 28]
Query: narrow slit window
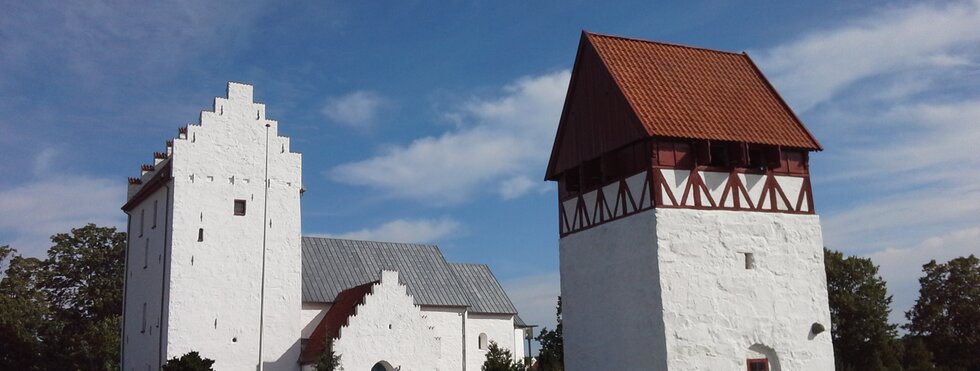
[200, 235]
[146, 253]
[749, 260]
[482, 341]
[154, 214]
[239, 207]
[142, 219]
[143, 328]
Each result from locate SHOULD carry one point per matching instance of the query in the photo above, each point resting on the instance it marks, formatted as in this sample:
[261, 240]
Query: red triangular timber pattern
[737, 190]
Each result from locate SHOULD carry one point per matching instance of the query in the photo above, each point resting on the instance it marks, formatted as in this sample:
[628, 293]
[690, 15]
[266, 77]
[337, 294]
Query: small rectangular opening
[749, 260]
[239, 207]
[200, 235]
[759, 364]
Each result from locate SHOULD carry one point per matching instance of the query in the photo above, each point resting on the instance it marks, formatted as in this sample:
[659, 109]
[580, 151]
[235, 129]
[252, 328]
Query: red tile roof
[337, 316]
[686, 92]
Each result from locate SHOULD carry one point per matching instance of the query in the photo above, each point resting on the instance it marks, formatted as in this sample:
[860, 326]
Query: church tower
[689, 238]
[213, 258]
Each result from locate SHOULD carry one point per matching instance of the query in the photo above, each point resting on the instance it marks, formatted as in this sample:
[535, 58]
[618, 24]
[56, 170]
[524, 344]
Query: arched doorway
[382, 366]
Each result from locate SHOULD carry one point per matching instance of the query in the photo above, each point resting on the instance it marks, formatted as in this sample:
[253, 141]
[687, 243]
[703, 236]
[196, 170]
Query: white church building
[688, 234]
[216, 264]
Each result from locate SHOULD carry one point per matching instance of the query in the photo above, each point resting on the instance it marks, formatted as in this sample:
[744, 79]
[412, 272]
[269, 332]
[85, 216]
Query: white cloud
[358, 109]
[103, 40]
[535, 297]
[814, 68]
[498, 140]
[44, 159]
[404, 230]
[32, 212]
[517, 186]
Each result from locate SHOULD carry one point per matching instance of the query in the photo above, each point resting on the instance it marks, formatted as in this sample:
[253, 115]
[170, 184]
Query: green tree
[947, 314]
[328, 360]
[23, 308]
[863, 338]
[83, 280]
[64, 312]
[499, 359]
[915, 355]
[551, 357]
[191, 361]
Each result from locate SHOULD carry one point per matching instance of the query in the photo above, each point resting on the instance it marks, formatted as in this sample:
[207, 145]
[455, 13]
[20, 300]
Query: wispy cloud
[497, 141]
[404, 230]
[33, 212]
[99, 40]
[813, 68]
[358, 109]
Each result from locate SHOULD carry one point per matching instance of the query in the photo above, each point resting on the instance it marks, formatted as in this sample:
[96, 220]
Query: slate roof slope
[686, 92]
[331, 266]
[482, 289]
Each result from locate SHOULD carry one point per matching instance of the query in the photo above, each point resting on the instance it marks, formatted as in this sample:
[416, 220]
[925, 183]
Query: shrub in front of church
[499, 359]
[328, 360]
[191, 361]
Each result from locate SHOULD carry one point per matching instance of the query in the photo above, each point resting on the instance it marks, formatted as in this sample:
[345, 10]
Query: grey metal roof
[482, 289]
[332, 265]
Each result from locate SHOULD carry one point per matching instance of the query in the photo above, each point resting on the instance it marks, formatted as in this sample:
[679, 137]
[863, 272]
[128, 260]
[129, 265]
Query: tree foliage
[863, 338]
[328, 359]
[947, 314]
[499, 359]
[551, 357]
[23, 309]
[64, 312]
[191, 361]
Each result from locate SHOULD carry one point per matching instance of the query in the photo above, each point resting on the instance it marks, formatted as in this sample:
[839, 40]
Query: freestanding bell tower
[213, 257]
[689, 239]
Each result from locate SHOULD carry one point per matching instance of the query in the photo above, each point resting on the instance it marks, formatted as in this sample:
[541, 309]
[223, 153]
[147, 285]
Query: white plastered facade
[210, 271]
[669, 289]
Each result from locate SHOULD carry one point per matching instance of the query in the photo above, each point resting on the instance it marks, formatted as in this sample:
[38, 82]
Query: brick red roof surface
[337, 316]
[686, 92]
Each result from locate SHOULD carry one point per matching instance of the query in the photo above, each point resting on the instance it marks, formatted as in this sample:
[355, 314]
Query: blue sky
[432, 122]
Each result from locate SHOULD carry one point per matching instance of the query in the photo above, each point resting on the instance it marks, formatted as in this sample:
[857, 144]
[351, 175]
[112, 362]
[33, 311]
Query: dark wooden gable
[596, 118]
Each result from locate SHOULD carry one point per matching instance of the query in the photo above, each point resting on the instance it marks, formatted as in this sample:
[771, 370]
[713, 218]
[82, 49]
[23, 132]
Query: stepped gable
[344, 307]
[636, 89]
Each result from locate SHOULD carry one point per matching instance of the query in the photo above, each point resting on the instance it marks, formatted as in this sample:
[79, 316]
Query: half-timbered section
[651, 125]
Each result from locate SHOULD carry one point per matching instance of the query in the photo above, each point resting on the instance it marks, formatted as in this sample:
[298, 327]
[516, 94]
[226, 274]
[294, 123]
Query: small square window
[239, 207]
[758, 364]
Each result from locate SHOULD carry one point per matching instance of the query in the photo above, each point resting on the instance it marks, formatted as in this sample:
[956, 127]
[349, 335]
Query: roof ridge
[663, 43]
[407, 244]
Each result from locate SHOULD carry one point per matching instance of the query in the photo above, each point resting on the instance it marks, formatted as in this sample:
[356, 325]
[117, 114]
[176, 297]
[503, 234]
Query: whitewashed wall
[146, 250]
[668, 288]
[498, 327]
[716, 309]
[448, 325]
[388, 327]
[610, 287]
[215, 286]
